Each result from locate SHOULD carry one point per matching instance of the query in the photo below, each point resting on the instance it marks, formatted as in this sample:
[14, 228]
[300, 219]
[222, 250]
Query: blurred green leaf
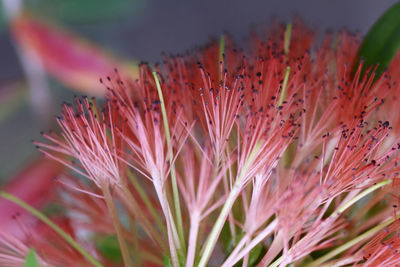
[2, 18]
[382, 41]
[226, 239]
[376, 209]
[108, 246]
[84, 11]
[12, 98]
[256, 255]
[54, 209]
[30, 260]
[181, 258]
[167, 261]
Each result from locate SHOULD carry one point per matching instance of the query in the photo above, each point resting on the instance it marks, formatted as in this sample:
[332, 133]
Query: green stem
[134, 208]
[336, 213]
[221, 48]
[212, 239]
[221, 55]
[282, 97]
[175, 191]
[53, 226]
[113, 212]
[351, 243]
[371, 189]
[235, 191]
[288, 34]
[136, 251]
[147, 202]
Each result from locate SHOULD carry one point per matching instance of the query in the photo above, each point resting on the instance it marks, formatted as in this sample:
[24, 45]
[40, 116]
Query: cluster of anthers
[281, 153]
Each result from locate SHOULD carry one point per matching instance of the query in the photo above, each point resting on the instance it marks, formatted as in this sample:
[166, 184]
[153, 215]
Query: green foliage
[382, 41]
[2, 18]
[109, 248]
[256, 254]
[225, 237]
[87, 11]
[30, 260]
[167, 261]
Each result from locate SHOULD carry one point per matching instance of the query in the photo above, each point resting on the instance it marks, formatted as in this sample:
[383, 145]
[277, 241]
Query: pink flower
[34, 184]
[225, 156]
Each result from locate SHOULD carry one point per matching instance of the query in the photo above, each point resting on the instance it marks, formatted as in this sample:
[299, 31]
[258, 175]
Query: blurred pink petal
[69, 58]
[34, 185]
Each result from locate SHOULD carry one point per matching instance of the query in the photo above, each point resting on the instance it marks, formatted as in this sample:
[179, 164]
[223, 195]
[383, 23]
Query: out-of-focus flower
[72, 60]
[34, 184]
[226, 156]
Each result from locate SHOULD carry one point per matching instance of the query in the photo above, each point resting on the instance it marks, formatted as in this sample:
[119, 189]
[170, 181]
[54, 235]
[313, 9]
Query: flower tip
[59, 118]
[66, 104]
[386, 124]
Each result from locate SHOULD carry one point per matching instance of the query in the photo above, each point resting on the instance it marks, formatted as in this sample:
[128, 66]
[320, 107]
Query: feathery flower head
[87, 139]
[227, 156]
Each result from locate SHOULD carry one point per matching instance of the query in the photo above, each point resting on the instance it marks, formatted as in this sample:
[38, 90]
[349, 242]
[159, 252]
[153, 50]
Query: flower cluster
[282, 153]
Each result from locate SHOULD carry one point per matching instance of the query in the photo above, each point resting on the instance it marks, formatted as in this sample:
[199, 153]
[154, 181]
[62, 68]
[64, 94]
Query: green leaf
[167, 261]
[256, 255]
[226, 239]
[109, 248]
[181, 258]
[88, 11]
[30, 260]
[3, 21]
[382, 41]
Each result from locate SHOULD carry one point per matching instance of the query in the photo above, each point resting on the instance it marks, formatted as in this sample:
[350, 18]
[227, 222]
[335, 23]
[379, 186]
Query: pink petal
[69, 58]
[34, 185]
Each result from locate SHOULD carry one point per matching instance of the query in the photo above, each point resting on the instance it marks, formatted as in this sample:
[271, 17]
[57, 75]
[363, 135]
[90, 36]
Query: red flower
[35, 185]
[268, 151]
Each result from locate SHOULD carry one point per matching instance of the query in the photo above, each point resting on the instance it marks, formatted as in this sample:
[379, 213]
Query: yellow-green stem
[113, 212]
[221, 47]
[96, 112]
[175, 191]
[282, 97]
[136, 251]
[371, 189]
[134, 208]
[146, 200]
[336, 213]
[221, 55]
[351, 243]
[288, 34]
[237, 187]
[53, 226]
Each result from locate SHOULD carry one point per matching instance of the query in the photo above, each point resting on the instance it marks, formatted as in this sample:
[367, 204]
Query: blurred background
[51, 50]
